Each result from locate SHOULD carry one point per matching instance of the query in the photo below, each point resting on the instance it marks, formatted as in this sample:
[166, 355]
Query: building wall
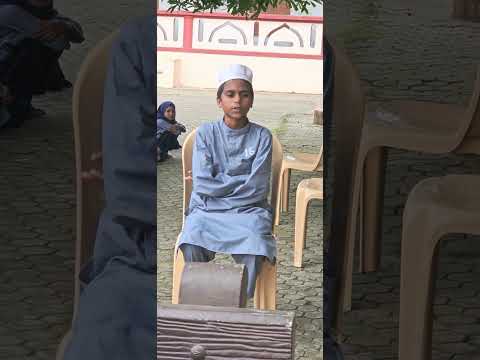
[284, 52]
[270, 74]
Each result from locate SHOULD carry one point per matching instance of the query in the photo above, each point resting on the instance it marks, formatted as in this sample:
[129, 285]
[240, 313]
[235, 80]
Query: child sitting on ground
[168, 130]
[231, 165]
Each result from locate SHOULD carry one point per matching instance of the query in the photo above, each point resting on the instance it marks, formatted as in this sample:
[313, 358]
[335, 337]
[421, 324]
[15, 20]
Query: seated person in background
[229, 211]
[32, 39]
[168, 130]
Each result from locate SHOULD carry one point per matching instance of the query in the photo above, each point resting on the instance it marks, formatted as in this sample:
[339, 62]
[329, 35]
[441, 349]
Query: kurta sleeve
[207, 180]
[239, 190]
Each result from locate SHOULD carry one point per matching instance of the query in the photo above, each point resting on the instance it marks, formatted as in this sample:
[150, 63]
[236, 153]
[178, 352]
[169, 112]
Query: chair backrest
[87, 110]
[347, 117]
[473, 112]
[277, 158]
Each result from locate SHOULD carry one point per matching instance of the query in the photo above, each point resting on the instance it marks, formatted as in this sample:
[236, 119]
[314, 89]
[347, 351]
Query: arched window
[228, 40]
[284, 43]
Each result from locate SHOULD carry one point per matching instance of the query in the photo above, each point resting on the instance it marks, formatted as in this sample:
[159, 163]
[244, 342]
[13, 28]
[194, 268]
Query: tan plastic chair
[266, 286]
[420, 126]
[435, 207]
[307, 190]
[87, 124]
[347, 118]
[301, 162]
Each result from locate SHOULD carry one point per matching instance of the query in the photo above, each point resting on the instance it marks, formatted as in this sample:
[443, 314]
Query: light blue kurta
[229, 210]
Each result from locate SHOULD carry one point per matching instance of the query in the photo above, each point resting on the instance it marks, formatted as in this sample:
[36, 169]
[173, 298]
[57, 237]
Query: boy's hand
[50, 30]
[189, 176]
[94, 173]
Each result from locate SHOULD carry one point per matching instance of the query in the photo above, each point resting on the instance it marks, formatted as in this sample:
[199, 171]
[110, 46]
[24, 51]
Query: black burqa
[116, 315]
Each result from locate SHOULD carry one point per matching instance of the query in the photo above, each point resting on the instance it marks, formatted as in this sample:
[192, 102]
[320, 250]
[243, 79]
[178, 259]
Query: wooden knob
[198, 352]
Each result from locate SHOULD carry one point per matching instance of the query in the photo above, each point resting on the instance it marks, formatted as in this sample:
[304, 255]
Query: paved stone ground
[290, 117]
[426, 56]
[37, 204]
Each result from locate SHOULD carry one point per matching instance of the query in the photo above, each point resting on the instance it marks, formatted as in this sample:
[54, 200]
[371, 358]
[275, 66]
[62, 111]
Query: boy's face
[236, 99]
[170, 113]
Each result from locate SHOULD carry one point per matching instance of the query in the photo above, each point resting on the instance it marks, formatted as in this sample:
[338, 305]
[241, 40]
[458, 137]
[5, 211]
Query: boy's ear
[219, 102]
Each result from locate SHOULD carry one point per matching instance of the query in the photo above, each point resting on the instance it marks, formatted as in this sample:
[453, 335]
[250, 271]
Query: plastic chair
[266, 286]
[415, 126]
[435, 207]
[301, 162]
[307, 190]
[87, 123]
[347, 121]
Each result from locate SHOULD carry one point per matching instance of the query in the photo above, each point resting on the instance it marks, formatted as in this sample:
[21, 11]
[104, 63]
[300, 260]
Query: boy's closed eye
[233, 93]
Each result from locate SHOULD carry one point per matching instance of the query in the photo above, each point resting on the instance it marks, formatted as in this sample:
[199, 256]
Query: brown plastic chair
[435, 207]
[87, 123]
[419, 126]
[307, 190]
[301, 162]
[266, 286]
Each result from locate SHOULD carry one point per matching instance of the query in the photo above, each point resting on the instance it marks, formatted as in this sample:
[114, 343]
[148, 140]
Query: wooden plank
[220, 333]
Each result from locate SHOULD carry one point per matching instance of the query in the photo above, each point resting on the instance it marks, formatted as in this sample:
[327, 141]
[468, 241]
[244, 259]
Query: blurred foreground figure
[117, 312]
[331, 350]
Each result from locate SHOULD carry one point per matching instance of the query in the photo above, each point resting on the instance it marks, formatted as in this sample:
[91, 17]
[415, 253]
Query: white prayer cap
[235, 71]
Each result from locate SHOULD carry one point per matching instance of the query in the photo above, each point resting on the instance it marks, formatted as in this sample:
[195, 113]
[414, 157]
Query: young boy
[168, 130]
[229, 211]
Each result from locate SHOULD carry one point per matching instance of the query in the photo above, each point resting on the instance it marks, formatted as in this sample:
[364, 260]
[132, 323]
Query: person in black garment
[33, 36]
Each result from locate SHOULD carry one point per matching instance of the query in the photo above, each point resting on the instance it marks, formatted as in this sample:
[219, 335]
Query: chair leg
[300, 226]
[418, 272]
[353, 223]
[178, 264]
[266, 287]
[63, 345]
[285, 189]
[372, 205]
[279, 197]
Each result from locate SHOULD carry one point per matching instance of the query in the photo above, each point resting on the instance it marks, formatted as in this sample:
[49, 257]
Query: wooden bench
[202, 332]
